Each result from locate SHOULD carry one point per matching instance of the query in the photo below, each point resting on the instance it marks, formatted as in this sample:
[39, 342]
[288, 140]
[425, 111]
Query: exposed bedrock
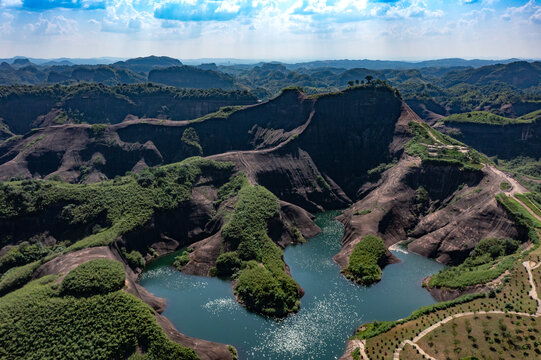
[335, 138]
[459, 211]
[206, 251]
[504, 141]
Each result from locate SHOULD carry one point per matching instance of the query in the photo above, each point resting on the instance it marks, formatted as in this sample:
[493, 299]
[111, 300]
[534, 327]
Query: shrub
[22, 254]
[191, 140]
[489, 259]
[365, 260]
[100, 276]
[181, 260]
[97, 130]
[228, 263]
[134, 258]
[232, 187]
[17, 276]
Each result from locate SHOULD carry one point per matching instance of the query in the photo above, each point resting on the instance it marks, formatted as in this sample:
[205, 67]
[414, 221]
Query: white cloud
[123, 17]
[6, 23]
[536, 17]
[528, 12]
[10, 3]
[57, 25]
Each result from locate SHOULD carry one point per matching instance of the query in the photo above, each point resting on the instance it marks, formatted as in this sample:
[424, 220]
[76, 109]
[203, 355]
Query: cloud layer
[281, 28]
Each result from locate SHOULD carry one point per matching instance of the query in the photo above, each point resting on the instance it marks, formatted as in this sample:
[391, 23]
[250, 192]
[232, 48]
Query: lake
[331, 309]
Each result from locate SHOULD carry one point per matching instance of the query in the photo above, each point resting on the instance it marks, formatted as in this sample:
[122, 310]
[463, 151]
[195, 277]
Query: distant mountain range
[344, 64]
[433, 88]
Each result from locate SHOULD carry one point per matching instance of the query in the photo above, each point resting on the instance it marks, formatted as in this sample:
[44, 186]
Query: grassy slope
[489, 259]
[487, 118]
[444, 151]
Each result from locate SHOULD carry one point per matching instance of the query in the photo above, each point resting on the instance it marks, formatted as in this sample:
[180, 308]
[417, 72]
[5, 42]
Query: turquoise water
[331, 308]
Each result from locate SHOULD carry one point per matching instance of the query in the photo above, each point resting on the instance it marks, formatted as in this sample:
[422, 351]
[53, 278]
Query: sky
[272, 29]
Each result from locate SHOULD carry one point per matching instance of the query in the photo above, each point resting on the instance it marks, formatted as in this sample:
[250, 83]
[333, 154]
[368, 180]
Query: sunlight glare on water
[331, 309]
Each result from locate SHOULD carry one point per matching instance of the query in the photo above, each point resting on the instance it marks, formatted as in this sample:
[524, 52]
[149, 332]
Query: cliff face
[313, 151]
[442, 210]
[24, 108]
[349, 134]
[20, 113]
[504, 141]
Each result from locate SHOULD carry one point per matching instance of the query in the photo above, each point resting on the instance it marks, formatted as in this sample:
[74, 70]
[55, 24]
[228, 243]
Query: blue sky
[272, 29]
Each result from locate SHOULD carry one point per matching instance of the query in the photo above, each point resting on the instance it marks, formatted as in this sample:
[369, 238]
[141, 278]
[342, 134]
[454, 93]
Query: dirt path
[421, 351]
[533, 290]
[516, 188]
[533, 294]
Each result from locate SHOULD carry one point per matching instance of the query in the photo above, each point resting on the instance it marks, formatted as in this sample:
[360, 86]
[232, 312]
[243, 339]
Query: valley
[209, 219]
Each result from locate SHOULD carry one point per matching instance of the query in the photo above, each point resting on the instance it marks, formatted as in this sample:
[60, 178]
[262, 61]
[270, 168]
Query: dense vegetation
[487, 118]
[366, 260]
[108, 209]
[23, 254]
[191, 140]
[100, 276]
[39, 322]
[489, 259]
[262, 284]
[126, 203]
[181, 260]
[17, 276]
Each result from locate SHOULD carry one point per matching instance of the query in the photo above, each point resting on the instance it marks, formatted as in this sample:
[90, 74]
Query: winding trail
[516, 188]
[533, 294]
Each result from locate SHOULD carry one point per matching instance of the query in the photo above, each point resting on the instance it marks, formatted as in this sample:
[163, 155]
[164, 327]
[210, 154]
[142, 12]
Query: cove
[331, 308]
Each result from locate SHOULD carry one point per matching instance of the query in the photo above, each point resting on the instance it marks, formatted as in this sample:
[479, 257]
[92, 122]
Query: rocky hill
[23, 108]
[318, 152]
[521, 74]
[191, 77]
[139, 188]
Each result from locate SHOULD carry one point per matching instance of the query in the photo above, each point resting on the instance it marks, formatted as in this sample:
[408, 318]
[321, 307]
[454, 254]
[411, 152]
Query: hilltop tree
[369, 79]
